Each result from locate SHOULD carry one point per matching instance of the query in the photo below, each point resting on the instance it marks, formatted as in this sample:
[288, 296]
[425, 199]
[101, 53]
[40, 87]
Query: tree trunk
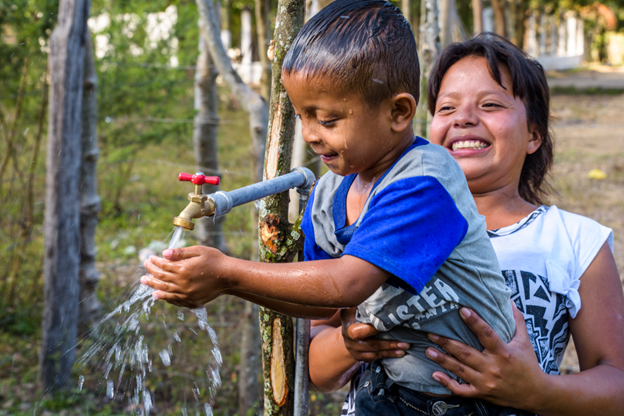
[209, 231]
[277, 241]
[252, 102]
[89, 198]
[520, 22]
[446, 34]
[262, 8]
[477, 13]
[62, 200]
[406, 9]
[429, 51]
[498, 8]
[226, 13]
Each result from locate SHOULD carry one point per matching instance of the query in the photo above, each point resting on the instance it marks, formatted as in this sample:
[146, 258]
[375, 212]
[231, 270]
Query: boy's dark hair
[528, 83]
[365, 47]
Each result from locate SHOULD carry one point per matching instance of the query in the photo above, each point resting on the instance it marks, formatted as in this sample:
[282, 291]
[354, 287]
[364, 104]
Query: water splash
[80, 382]
[124, 343]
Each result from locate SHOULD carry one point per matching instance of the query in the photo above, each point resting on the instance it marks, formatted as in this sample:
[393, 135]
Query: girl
[490, 106]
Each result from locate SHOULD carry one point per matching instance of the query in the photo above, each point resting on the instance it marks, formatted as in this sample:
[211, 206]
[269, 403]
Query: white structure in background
[557, 42]
[158, 28]
[249, 71]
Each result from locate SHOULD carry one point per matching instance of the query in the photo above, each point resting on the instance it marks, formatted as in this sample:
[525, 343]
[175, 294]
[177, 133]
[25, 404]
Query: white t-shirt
[543, 258]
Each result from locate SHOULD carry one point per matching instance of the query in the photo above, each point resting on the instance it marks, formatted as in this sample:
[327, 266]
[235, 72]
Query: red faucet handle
[199, 178]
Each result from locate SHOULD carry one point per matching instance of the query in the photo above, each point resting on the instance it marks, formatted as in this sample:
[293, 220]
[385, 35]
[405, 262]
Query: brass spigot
[200, 205]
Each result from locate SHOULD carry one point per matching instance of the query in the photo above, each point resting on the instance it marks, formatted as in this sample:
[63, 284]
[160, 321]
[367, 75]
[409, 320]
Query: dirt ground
[589, 134]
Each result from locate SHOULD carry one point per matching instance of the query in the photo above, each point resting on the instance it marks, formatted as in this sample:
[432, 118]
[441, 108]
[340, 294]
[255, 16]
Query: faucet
[220, 203]
[200, 205]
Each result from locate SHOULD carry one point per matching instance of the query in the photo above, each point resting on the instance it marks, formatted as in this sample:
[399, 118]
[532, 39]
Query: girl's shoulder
[580, 229]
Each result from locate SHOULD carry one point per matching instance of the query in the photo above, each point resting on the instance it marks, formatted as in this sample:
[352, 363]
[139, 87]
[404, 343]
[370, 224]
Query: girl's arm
[196, 275]
[332, 364]
[508, 374]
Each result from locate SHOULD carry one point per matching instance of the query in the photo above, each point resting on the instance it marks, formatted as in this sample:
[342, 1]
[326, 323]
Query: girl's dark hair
[365, 47]
[528, 83]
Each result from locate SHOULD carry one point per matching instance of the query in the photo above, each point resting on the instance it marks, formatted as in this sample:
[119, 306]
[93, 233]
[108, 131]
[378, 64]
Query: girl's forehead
[473, 73]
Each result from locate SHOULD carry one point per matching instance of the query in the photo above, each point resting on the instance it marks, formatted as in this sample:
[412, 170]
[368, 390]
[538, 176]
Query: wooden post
[89, 198]
[62, 200]
[279, 241]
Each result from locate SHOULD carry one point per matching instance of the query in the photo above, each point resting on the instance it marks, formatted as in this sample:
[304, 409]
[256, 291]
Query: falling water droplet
[208, 409]
[180, 315]
[80, 382]
[257, 204]
[110, 389]
[165, 357]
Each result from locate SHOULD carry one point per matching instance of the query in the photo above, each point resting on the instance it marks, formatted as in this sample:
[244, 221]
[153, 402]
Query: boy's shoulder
[421, 159]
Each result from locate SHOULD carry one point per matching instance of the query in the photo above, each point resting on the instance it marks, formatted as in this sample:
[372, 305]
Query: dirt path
[589, 134]
[604, 77]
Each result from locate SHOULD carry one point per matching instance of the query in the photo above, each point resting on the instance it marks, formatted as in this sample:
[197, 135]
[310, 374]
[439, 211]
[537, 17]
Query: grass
[585, 140]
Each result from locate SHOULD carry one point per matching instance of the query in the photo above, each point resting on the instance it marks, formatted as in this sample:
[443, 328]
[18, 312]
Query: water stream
[135, 351]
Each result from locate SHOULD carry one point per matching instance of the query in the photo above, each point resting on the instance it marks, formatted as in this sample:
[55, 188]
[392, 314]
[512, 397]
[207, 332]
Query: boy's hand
[358, 341]
[190, 276]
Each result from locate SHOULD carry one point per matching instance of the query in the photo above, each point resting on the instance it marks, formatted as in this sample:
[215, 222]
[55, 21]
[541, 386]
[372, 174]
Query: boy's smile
[349, 135]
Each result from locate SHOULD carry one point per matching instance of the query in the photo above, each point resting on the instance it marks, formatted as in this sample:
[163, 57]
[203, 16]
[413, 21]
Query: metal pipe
[225, 201]
[302, 340]
[220, 203]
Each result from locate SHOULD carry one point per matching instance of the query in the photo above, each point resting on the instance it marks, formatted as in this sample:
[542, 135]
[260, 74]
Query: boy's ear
[403, 111]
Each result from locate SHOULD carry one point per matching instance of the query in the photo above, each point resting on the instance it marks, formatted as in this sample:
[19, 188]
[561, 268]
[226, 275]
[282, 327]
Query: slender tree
[429, 51]
[89, 198]
[279, 241]
[498, 6]
[205, 128]
[252, 102]
[477, 14]
[62, 200]
[262, 8]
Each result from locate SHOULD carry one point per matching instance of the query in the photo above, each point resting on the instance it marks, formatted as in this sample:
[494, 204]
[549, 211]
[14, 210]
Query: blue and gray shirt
[420, 224]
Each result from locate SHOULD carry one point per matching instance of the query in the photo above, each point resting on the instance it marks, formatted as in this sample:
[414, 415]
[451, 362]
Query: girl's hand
[359, 344]
[189, 277]
[504, 374]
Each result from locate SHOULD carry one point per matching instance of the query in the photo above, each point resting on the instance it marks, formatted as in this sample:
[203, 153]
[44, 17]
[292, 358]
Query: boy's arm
[287, 308]
[195, 275]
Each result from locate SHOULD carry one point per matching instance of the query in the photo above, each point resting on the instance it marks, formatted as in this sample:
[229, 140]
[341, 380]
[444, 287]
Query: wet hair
[528, 84]
[364, 47]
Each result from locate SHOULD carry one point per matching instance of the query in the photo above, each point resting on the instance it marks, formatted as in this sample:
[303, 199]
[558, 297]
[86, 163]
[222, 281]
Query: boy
[392, 228]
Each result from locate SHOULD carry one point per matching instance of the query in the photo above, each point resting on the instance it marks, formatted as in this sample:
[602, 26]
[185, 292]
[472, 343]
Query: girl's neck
[503, 206]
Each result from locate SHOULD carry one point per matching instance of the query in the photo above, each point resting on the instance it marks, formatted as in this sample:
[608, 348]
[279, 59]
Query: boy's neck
[373, 173]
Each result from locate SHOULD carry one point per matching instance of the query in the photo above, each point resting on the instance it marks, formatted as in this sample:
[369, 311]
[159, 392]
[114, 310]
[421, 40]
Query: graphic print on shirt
[390, 306]
[545, 314]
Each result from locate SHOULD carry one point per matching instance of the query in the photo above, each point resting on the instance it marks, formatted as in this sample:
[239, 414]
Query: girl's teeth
[469, 144]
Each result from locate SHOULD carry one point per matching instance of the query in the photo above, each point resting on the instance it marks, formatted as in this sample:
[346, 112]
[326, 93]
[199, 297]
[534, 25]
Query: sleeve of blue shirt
[311, 250]
[410, 229]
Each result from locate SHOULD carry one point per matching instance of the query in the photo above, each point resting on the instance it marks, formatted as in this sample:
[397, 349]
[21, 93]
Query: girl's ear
[535, 141]
[403, 109]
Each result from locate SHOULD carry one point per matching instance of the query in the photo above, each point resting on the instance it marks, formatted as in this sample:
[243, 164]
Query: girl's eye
[445, 108]
[492, 105]
[326, 123]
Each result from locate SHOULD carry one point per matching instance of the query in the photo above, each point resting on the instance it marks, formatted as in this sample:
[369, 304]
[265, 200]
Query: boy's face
[349, 136]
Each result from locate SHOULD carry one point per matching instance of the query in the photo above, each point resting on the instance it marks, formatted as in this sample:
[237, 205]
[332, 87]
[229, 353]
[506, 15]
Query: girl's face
[483, 126]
